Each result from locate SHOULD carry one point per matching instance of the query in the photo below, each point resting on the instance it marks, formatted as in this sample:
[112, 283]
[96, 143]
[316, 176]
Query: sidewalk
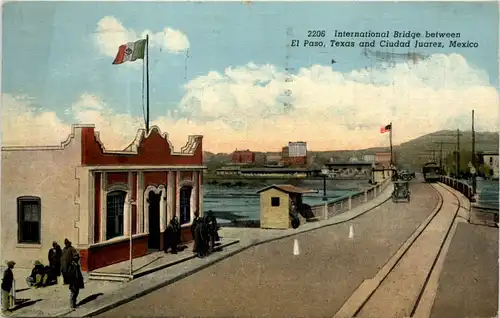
[100, 296]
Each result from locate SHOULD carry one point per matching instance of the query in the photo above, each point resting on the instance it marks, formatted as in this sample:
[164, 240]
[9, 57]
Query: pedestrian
[176, 234]
[75, 279]
[7, 284]
[67, 255]
[201, 239]
[55, 254]
[168, 237]
[213, 228]
[193, 228]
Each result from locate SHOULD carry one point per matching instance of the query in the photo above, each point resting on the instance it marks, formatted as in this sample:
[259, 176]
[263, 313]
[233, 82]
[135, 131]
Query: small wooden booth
[275, 205]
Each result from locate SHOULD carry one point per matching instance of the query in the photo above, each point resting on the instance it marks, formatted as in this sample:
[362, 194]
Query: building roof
[236, 168]
[278, 170]
[353, 163]
[287, 188]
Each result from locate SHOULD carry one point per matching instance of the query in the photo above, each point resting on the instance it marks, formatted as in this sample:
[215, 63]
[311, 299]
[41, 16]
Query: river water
[243, 203]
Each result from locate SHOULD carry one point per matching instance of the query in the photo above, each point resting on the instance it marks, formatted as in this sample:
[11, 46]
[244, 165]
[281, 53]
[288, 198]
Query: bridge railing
[348, 202]
[458, 185]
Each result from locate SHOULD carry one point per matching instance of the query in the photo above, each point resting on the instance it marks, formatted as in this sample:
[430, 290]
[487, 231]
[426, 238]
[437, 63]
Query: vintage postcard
[250, 158]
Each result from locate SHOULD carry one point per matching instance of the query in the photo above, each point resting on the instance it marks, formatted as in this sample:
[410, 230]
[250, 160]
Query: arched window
[185, 201]
[115, 204]
[29, 219]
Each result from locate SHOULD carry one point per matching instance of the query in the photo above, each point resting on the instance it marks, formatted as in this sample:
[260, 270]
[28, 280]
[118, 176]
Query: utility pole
[441, 155]
[474, 162]
[324, 188]
[458, 155]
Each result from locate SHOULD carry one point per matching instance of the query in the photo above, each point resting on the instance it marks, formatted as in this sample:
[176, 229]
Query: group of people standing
[65, 261]
[205, 233]
[203, 230]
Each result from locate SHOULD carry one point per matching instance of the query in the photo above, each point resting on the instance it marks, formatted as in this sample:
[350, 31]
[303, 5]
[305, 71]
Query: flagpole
[390, 142]
[147, 84]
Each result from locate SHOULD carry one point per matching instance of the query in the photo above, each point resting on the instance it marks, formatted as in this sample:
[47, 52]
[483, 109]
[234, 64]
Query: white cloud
[110, 34]
[243, 107]
[173, 40]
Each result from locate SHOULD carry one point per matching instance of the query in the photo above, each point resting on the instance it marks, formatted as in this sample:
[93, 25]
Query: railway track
[397, 290]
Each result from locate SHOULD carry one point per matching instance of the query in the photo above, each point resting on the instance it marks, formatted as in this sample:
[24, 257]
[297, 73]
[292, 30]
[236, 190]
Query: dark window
[275, 201]
[185, 200]
[29, 219]
[114, 213]
[491, 160]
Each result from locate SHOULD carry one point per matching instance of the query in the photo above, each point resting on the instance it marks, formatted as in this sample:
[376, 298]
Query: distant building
[285, 152]
[369, 158]
[295, 154]
[297, 149]
[273, 158]
[383, 159]
[243, 156]
[260, 158]
[354, 159]
[295, 161]
[228, 171]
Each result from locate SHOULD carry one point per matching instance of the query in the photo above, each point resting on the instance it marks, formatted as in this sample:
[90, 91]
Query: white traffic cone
[296, 250]
[351, 232]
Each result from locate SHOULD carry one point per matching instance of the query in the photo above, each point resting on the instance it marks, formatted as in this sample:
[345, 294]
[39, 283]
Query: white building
[297, 149]
[369, 158]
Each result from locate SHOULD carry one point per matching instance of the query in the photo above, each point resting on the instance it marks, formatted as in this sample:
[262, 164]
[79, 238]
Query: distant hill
[420, 150]
[410, 154]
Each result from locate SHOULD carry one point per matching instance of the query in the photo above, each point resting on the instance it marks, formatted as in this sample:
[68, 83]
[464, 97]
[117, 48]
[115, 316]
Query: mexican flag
[130, 52]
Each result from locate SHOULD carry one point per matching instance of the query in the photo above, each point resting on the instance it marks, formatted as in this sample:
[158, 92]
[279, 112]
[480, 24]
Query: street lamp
[324, 187]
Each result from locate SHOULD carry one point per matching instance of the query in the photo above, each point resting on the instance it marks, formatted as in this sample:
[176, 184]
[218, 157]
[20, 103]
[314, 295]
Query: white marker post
[351, 232]
[296, 250]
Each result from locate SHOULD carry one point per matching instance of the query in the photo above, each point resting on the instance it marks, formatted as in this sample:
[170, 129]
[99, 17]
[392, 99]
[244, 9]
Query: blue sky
[50, 53]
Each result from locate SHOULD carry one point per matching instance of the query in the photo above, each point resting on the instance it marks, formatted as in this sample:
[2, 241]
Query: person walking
[75, 279]
[67, 255]
[7, 285]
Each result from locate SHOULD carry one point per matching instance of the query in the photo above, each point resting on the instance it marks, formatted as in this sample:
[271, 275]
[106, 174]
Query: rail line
[459, 206]
[365, 292]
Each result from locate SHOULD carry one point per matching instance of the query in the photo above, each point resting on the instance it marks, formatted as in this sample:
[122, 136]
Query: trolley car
[431, 172]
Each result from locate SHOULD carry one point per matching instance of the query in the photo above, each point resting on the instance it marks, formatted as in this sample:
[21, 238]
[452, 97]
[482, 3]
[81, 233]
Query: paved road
[468, 284]
[268, 280]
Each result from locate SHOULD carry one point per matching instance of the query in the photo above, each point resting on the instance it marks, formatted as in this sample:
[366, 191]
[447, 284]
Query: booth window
[29, 219]
[275, 201]
[114, 213]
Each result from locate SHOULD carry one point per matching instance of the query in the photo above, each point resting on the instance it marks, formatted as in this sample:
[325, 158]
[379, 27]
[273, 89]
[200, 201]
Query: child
[7, 284]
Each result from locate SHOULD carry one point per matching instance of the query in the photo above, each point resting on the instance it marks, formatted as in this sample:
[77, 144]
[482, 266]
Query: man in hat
[7, 284]
[68, 253]
[75, 279]
[55, 254]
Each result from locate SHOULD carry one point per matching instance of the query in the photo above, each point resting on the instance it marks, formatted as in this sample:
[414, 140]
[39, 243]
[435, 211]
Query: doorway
[154, 221]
